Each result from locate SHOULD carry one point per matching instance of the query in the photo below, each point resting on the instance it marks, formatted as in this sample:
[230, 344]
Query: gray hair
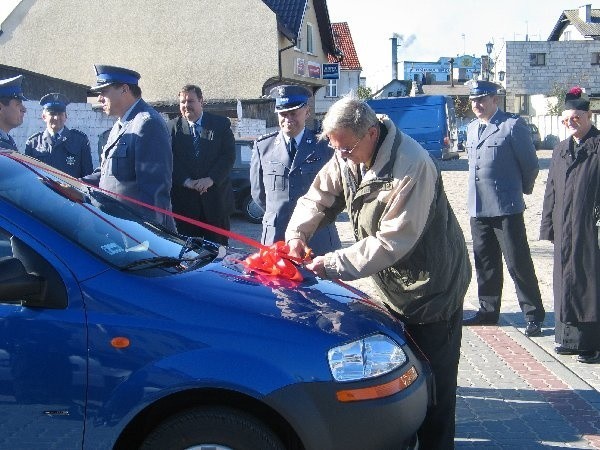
[351, 113]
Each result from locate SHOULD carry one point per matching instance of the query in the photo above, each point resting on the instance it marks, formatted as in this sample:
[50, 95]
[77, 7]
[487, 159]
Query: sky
[430, 29]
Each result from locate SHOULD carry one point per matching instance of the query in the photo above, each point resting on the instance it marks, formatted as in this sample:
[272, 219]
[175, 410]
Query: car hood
[228, 293]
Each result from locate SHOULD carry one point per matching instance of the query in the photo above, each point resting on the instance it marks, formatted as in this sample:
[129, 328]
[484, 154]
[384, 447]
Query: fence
[552, 131]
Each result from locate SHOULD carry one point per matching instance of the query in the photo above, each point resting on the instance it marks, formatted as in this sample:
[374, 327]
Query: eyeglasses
[346, 150]
[574, 119]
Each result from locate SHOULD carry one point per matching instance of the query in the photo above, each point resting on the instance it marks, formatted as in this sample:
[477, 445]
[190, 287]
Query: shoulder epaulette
[268, 135]
[78, 132]
[34, 135]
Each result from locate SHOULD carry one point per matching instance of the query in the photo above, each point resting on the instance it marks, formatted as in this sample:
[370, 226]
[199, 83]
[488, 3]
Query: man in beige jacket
[407, 239]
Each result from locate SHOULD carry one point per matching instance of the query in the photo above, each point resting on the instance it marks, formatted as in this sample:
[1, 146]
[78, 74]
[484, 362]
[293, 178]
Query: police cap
[107, 75]
[54, 102]
[289, 97]
[11, 87]
[481, 88]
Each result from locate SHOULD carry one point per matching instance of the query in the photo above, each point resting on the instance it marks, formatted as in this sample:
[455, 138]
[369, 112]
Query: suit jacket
[277, 183]
[503, 166]
[71, 153]
[215, 160]
[137, 162]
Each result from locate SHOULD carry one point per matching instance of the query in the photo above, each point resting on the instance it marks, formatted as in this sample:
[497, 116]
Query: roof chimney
[394, 57]
[585, 13]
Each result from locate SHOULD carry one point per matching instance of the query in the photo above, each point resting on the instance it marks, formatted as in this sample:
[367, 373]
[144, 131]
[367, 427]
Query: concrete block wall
[92, 122]
[80, 116]
[568, 63]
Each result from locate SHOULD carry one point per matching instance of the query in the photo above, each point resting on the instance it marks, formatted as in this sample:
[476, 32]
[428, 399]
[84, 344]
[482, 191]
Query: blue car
[117, 333]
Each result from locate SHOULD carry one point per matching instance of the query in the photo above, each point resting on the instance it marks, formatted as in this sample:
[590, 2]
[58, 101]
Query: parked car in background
[535, 136]
[240, 180]
[120, 334]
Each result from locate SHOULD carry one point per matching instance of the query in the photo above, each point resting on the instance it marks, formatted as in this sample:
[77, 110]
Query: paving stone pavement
[514, 392]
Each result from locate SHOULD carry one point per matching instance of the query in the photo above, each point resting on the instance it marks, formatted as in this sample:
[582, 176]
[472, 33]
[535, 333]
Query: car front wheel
[252, 212]
[212, 429]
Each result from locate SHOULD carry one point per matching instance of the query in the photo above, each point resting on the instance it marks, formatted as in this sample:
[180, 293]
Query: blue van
[428, 119]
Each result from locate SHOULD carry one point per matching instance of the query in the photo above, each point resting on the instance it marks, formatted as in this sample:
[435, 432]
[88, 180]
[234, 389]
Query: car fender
[232, 371]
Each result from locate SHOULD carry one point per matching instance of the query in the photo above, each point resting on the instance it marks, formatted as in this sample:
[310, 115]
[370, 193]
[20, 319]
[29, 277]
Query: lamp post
[488, 47]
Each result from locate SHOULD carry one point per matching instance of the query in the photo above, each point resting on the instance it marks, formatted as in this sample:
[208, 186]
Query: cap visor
[289, 108]
[98, 87]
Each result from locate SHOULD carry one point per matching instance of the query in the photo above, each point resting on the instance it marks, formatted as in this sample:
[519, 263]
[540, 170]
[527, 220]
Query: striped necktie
[196, 132]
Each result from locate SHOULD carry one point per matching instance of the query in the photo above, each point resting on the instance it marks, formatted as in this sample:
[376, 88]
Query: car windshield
[97, 222]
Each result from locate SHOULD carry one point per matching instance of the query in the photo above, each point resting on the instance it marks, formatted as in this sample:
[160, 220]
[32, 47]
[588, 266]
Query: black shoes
[589, 357]
[481, 318]
[533, 328]
[560, 350]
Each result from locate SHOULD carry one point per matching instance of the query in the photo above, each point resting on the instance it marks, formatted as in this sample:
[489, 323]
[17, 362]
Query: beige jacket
[408, 204]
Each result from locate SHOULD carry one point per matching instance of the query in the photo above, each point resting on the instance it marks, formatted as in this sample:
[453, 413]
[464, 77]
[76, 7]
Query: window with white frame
[332, 89]
[309, 38]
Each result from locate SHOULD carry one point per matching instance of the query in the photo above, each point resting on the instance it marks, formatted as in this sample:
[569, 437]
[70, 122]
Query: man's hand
[298, 249]
[318, 266]
[201, 185]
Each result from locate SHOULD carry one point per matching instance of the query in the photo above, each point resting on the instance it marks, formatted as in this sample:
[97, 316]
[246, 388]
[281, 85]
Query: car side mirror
[16, 285]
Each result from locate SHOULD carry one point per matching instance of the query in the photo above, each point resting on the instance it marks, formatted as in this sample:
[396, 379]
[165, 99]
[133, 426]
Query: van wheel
[214, 429]
[252, 212]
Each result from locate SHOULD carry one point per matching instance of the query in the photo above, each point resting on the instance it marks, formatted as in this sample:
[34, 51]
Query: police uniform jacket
[215, 160]
[71, 153]
[407, 236]
[6, 143]
[503, 166]
[277, 183]
[137, 162]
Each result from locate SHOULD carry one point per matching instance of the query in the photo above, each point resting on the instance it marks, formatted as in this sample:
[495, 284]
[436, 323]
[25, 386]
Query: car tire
[252, 212]
[212, 428]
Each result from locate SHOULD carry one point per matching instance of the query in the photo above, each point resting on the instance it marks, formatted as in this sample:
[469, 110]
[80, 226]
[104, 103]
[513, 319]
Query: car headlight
[366, 358]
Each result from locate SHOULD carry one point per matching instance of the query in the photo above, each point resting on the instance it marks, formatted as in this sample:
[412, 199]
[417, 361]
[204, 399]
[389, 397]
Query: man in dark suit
[58, 146]
[284, 165]
[137, 161]
[203, 156]
[503, 166]
[12, 110]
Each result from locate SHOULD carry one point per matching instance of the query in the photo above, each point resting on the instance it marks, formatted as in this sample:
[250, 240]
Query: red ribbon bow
[276, 261]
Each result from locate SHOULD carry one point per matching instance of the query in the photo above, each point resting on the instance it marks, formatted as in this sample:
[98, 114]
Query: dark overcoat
[277, 183]
[568, 220]
[215, 160]
[70, 153]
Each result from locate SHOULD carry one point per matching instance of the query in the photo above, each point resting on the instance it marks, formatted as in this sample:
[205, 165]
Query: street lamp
[488, 47]
[501, 74]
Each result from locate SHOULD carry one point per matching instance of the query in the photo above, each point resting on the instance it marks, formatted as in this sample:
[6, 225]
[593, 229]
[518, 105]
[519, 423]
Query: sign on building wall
[300, 68]
[314, 69]
[331, 71]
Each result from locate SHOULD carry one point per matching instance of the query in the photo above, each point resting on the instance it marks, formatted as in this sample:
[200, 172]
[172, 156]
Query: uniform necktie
[196, 133]
[292, 148]
[481, 128]
[55, 138]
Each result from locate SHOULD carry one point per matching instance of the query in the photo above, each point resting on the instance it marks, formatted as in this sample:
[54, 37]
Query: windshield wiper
[156, 261]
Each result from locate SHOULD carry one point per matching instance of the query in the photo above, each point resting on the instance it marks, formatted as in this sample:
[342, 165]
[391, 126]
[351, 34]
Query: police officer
[503, 166]
[283, 166]
[12, 110]
[137, 160]
[58, 146]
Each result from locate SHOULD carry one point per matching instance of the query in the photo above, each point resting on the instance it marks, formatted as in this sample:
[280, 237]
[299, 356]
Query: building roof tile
[343, 41]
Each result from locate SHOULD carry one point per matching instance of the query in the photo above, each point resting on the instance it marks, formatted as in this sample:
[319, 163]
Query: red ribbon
[274, 260]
